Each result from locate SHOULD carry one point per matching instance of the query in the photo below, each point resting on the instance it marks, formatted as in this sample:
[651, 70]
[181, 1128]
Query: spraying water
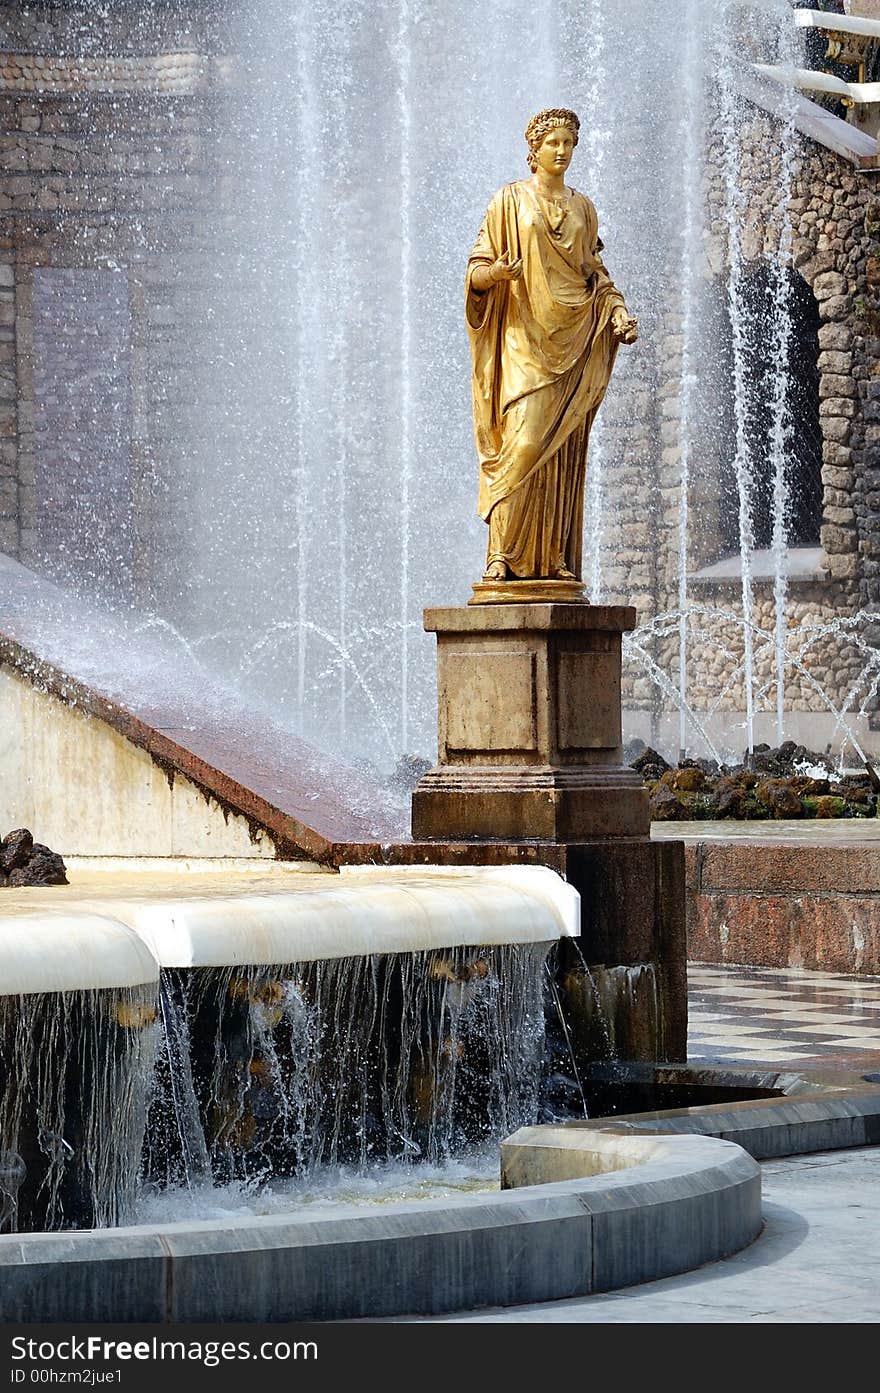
[349, 1062]
[74, 1077]
[781, 428]
[338, 363]
[324, 477]
[689, 345]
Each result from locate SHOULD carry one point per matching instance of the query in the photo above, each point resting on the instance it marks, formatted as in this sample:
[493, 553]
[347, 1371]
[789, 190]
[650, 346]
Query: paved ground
[845, 830]
[818, 1259]
[753, 1015]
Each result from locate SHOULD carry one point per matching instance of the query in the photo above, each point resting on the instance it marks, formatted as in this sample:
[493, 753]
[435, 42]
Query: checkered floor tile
[753, 1015]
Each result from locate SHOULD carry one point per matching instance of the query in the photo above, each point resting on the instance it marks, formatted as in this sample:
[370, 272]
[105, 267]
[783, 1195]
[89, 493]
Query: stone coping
[815, 1110]
[660, 1207]
[118, 930]
[804, 567]
[814, 833]
[812, 120]
[44, 950]
[523, 618]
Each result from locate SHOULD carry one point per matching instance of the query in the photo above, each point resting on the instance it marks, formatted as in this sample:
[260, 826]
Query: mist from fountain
[690, 120]
[353, 1062]
[326, 478]
[734, 195]
[783, 332]
[335, 439]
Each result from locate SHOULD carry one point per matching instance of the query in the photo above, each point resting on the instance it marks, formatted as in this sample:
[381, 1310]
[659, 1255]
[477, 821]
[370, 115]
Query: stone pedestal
[531, 770]
[529, 726]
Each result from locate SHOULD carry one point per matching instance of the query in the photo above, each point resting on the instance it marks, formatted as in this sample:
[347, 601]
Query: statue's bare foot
[563, 573]
[496, 570]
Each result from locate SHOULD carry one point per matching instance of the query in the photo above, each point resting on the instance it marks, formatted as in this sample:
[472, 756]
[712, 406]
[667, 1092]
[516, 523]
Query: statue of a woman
[545, 321]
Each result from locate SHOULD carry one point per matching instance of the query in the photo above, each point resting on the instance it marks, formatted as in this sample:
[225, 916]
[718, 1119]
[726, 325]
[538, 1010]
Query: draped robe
[543, 350]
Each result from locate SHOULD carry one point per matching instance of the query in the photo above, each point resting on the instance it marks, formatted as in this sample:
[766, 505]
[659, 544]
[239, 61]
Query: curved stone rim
[673, 1203]
[812, 1110]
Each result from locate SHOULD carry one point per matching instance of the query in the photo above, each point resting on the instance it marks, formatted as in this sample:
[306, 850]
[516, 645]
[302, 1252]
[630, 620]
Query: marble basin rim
[227, 916]
[810, 1109]
[612, 1211]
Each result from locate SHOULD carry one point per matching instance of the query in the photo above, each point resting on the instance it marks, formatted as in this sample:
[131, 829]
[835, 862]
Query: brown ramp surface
[142, 679]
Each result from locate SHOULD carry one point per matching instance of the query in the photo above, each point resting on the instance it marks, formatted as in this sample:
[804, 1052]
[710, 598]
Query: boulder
[665, 806]
[15, 849]
[688, 780]
[779, 798]
[827, 806]
[732, 797]
[26, 862]
[649, 759]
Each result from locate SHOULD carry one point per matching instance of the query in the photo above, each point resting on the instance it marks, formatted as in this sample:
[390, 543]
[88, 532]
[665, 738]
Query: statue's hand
[624, 327]
[505, 270]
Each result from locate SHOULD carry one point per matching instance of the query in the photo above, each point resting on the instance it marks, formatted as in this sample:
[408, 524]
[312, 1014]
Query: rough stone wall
[105, 167]
[835, 222]
[830, 208]
[96, 179]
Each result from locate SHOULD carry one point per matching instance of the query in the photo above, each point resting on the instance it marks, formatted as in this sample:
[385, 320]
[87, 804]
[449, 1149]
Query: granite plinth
[529, 726]
[519, 592]
[632, 945]
[811, 904]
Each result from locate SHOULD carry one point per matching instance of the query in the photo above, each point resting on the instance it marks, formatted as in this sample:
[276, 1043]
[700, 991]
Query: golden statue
[545, 321]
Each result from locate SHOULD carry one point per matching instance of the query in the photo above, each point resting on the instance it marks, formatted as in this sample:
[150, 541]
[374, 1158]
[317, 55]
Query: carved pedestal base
[531, 771]
[529, 726]
[556, 805]
[528, 592]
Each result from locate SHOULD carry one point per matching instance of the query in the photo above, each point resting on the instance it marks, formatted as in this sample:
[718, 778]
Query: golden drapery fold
[543, 350]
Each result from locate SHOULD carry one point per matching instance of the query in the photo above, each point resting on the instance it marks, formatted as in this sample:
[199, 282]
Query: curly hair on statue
[545, 121]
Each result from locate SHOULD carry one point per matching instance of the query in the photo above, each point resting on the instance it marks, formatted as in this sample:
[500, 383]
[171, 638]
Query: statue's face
[555, 151]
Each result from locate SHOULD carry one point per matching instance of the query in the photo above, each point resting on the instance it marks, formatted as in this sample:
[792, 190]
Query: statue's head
[541, 125]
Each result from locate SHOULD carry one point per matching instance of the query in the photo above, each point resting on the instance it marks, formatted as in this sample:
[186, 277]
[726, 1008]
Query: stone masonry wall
[835, 222]
[107, 167]
[108, 174]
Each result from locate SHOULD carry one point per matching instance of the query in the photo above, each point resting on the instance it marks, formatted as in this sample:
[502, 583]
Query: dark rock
[652, 773]
[855, 788]
[732, 797]
[665, 807]
[744, 778]
[649, 759]
[702, 807]
[15, 849]
[827, 806]
[765, 762]
[26, 862]
[812, 788]
[44, 867]
[685, 780]
[710, 767]
[407, 772]
[632, 749]
[779, 798]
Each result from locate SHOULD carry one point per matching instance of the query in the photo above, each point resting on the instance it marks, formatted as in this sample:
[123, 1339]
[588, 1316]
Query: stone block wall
[108, 167]
[834, 243]
[784, 905]
[104, 178]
